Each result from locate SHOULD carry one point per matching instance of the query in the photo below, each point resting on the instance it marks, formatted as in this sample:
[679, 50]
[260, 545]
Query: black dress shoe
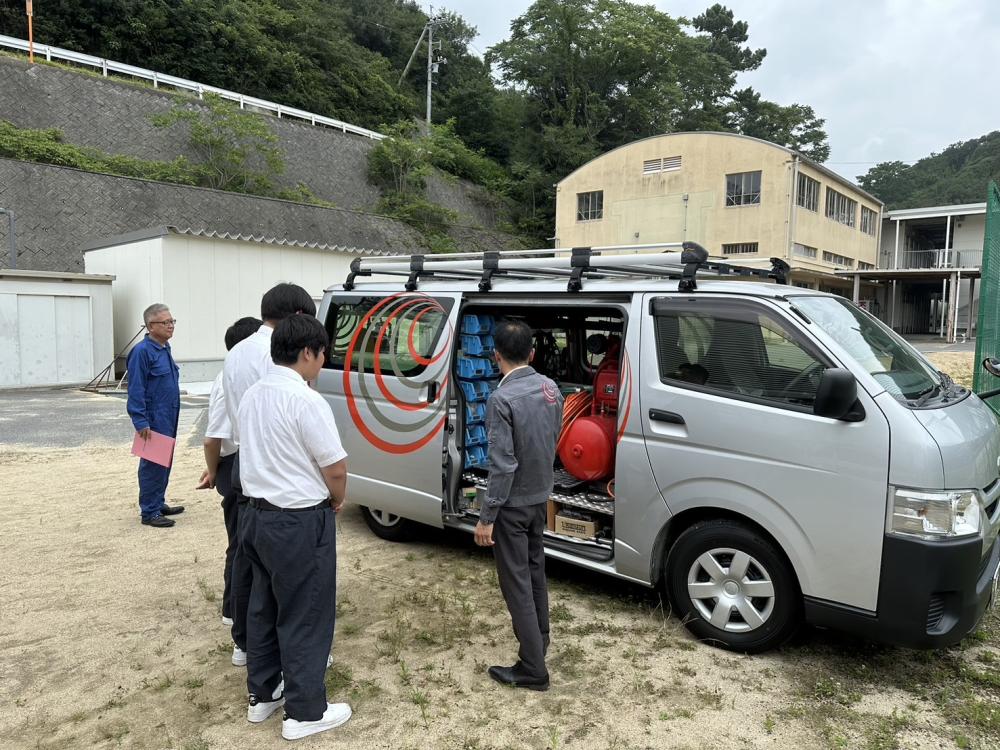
[171, 510]
[158, 521]
[514, 677]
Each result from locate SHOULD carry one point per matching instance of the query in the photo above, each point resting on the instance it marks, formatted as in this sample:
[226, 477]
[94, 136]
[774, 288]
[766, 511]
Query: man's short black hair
[294, 334]
[513, 340]
[240, 330]
[283, 300]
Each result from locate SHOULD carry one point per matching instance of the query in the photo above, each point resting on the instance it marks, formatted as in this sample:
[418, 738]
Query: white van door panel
[387, 379]
[724, 393]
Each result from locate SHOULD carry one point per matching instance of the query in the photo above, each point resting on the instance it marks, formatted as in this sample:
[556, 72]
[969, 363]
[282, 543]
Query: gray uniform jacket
[523, 420]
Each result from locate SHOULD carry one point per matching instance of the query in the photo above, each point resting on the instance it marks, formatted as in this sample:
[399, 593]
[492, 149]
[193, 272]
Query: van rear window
[398, 334]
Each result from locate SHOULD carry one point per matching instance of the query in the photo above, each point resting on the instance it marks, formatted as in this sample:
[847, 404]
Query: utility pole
[432, 64]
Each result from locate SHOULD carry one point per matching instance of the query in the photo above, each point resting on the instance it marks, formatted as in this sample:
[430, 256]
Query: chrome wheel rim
[731, 590]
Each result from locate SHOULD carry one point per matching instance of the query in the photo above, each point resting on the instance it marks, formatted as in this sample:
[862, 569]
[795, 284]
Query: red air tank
[588, 448]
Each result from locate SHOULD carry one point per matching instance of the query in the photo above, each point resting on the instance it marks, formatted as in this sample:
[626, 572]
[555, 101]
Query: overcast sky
[894, 79]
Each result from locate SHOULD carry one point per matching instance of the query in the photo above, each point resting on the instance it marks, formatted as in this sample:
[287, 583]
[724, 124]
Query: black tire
[756, 611]
[387, 525]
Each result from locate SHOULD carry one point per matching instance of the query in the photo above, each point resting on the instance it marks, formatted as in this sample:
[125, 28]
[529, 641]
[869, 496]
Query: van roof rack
[683, 261]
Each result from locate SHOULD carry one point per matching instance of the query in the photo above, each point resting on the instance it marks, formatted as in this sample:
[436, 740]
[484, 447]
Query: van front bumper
[931, 594]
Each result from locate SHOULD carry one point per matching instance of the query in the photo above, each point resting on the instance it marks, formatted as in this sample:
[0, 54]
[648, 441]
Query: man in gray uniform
[523, 420]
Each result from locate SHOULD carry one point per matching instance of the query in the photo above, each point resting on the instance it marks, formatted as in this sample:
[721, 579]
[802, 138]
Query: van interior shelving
[571, 345]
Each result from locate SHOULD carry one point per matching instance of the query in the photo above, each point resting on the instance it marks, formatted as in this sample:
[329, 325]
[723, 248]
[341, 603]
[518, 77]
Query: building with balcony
[740, 197]
[929, 263]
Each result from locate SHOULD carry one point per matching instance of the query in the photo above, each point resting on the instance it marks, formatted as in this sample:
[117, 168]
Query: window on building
[803, 251]
[841, 208]
[590, 206]
[862, 266]
[743, 188]
[807, 194]
[802, 284]
[868, 218]
[739, 248]
[666, 164]
[838, 260]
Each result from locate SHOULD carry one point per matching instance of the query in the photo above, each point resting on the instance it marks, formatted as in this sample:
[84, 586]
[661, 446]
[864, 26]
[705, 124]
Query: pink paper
[158, 448]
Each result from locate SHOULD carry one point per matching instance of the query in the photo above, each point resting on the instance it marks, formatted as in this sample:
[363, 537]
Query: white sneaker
[239, 656]
[336, 714]
[227, 621]
[257, 711]
[329, 661]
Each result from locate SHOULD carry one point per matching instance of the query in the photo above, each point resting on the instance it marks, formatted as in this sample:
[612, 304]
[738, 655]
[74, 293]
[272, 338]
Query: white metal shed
[209, 280]
[55, 328]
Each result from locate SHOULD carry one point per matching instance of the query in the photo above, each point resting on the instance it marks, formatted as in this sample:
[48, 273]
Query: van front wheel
[731, 587]
[387, 525]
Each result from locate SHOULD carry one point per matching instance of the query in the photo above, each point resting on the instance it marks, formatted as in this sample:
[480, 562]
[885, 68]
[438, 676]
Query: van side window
[735, 347]
[400, 334]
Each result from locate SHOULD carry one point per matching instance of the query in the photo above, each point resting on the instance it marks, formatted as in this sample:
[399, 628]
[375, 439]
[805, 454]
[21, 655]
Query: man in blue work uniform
[154, 403]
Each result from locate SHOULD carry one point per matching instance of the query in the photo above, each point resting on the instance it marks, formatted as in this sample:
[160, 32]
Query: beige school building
[740, 197]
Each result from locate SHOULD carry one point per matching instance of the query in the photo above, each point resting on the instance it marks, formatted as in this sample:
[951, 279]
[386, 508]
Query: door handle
[432, 392]
[658, 415]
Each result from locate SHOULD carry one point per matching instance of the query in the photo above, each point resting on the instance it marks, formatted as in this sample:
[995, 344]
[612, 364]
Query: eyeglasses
[172, 321]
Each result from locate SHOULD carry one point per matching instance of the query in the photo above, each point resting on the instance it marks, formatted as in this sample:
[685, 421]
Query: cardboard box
[575, 527]
[550, 515]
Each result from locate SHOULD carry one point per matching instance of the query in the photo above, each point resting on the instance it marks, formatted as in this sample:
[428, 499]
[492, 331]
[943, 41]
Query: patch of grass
[569, 660]
[339, 677]
[389, 643]
[769, 724]
[192, 683]
[560, 613]
[827, 688]
[349, 629]
[421, 701]
[364, 690]
[207, 591]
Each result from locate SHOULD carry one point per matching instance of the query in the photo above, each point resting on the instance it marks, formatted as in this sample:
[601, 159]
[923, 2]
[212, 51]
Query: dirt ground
[110, 636]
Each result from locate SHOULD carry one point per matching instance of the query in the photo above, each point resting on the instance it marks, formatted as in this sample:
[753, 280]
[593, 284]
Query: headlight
[936, 515]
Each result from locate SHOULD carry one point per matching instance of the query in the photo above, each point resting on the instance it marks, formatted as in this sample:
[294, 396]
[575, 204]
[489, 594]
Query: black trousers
[292, 605]
[520, 558]
[241, 574]
[224, 486]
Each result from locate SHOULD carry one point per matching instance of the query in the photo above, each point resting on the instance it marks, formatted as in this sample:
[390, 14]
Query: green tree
[238, 150]
[795, 126]
[727, 37]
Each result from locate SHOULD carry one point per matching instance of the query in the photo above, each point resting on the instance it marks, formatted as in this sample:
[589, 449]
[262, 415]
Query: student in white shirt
[220, 452]
[294, 475]
[246, 363]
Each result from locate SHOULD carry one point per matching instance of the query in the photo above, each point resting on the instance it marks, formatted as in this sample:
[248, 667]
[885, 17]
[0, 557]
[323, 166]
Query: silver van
[767, 454]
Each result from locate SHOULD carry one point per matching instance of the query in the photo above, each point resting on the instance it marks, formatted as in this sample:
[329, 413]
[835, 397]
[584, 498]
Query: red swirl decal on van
[392, 345]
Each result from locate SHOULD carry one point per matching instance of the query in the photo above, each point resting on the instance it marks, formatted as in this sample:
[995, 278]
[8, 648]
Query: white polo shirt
[287, 433]
[219, 425]
[246, 363]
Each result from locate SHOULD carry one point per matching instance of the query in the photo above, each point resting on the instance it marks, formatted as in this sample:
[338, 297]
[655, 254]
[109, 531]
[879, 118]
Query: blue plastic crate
[475, 457]
[476, 324]
[472, 367]
[473, 345]
[490, 368]
[475, 435]
[469, 390]
[486, 342]
[483, 390]
[475, 412]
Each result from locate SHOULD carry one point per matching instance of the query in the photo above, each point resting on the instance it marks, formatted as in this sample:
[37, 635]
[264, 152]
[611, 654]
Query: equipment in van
[587, 444]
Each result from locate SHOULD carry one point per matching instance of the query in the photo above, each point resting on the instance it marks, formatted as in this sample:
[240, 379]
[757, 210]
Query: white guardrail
[110, 66]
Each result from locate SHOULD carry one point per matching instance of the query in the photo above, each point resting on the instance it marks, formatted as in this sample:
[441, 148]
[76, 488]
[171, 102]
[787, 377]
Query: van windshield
[896, 365]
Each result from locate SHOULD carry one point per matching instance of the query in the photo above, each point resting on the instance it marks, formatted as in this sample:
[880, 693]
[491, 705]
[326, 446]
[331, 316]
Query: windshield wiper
[925, 395]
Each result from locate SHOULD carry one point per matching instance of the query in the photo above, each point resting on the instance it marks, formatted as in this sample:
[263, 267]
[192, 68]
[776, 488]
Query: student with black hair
[220, 452]
[523, 420]
[246, 363]
[294, 475]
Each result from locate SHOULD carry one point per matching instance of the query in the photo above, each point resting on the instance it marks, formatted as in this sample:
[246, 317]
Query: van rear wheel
[731, 587]
[387, 525]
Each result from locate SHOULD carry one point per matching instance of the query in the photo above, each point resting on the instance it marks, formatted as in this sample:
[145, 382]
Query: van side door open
[726, 396]
[387, 378]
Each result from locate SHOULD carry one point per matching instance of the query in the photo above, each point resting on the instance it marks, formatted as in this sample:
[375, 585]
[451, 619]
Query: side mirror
[837, 395]
[992, 366]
